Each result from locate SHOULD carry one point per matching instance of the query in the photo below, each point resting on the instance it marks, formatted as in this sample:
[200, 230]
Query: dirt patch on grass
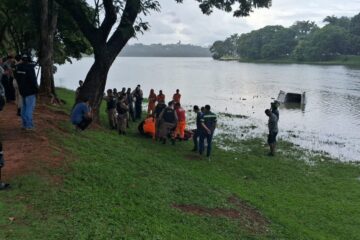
[250, 218]
[31, 152]
[194, 157]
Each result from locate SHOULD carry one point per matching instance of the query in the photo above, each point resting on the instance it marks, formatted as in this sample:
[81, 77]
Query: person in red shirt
[160, 97]
[180, 129]
[177, 96]
[152, 101]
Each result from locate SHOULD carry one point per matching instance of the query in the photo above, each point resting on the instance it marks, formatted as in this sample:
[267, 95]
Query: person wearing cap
[177, 96]
[138, 95]
[167, 123]
[28, 88]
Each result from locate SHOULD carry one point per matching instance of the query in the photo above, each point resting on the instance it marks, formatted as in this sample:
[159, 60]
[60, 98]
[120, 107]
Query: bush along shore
[106, 186]
[340, 60]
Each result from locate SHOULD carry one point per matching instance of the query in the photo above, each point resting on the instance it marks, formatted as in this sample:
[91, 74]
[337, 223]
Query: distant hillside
[169, 50]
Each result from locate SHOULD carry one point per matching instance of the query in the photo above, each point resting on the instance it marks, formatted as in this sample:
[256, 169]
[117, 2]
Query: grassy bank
[340, 60]
[126, 187]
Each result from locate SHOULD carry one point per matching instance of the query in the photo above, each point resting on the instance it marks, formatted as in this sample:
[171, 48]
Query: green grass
[118, 187]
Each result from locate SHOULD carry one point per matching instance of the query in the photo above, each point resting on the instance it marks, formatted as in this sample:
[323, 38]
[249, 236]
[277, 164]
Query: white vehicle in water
[297, 98]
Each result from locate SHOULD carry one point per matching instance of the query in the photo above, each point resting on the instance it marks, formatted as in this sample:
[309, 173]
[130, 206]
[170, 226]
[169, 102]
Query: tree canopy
[304, 40]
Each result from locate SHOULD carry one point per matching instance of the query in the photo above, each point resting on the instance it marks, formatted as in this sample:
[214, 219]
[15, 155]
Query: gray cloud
[186, 23]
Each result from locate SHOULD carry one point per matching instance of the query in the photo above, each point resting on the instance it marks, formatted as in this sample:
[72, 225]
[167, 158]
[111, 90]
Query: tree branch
[76, 10]
[109, 20]
[125, 30]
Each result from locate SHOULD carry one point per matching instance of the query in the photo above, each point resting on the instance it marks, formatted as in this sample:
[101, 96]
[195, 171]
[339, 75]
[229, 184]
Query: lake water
[330, 121]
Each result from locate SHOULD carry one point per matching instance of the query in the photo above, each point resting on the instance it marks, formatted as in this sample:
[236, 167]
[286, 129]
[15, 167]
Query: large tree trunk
[106, 48]
[49, 16]
[95, 81]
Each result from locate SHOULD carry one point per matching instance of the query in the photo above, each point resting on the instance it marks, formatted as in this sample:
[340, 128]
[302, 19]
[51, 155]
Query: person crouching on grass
[81, 115]
[273, 131]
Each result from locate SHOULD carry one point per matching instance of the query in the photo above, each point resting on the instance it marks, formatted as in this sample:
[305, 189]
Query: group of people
[18, 83]
[163, 121]
[121, 107]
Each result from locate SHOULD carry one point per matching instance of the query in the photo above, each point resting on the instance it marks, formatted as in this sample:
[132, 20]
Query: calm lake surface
[330, 121]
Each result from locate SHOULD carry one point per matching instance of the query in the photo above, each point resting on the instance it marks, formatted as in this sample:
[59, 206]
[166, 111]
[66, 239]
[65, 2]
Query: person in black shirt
[77, 92]
[28, 88]
[138, 95]
[208, 125]
[167, 123]
[158, 110]
[111, 108]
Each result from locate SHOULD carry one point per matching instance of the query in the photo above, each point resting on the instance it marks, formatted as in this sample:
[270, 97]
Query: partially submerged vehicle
[297, 98]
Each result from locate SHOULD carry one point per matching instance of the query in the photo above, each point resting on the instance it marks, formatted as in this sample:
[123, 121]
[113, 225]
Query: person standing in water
[177, 96]
[273, 131]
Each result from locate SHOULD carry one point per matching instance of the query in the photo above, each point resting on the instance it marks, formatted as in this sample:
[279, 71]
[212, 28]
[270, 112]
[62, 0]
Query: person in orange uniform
[180, 129]
[160, 97]
[177, 96]
[152, 101]
[147, 127]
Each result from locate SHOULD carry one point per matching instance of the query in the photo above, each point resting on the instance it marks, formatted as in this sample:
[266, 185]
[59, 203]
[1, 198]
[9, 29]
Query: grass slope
[118, 187]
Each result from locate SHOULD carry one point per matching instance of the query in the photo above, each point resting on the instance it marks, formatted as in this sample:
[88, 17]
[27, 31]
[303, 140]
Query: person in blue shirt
[81, 115]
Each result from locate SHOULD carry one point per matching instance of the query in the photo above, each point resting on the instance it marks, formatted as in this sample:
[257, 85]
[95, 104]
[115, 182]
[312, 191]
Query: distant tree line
[168, 50]
[303, 41]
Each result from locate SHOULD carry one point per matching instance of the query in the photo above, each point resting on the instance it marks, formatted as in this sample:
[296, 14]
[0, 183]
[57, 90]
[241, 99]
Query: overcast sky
[185, 22]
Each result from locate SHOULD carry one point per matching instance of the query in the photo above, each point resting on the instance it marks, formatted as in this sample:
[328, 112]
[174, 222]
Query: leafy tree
[120, 23]
[218, 50]
[324, 44]
[17, 25]
[225, 48]
[282, 43]
[355, 25]
[343, 22]
[268, 42]
[303, 28]
[34, 25]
